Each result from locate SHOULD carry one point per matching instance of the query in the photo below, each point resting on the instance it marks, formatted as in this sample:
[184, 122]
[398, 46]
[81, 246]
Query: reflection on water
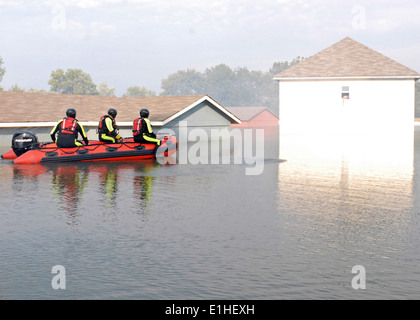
[68, 185]
[371, 167]
[349, 199]
[142, 230]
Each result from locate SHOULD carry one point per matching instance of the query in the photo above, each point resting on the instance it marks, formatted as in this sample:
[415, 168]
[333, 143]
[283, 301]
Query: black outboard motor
[23, 141]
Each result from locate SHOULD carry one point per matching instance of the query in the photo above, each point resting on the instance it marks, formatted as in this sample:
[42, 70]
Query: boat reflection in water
[80, 187]
[68, 185]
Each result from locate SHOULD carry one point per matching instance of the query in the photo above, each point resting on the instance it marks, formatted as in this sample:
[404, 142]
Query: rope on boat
[44, 149]
[41, 147]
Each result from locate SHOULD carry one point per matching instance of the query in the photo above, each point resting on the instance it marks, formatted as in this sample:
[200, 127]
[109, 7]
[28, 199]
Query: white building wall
[374, 106]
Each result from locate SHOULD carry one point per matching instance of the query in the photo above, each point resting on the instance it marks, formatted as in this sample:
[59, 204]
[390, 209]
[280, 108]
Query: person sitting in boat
[107, 129]
[68, 130]
[142, 129]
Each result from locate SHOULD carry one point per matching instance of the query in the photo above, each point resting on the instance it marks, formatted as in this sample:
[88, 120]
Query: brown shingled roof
[347, 58]
[49, 107]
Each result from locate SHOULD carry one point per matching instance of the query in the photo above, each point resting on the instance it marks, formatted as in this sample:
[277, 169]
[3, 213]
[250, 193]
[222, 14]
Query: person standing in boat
[107, 129]
[142, 129]
[68, 130]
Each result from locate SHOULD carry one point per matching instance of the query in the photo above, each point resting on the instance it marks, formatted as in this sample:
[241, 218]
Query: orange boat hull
[97, 151]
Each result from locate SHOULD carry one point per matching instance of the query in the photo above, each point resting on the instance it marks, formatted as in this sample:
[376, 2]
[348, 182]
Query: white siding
[374, 106]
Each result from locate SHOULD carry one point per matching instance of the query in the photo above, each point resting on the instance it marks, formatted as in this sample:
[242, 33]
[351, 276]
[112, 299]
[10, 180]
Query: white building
[347, 88]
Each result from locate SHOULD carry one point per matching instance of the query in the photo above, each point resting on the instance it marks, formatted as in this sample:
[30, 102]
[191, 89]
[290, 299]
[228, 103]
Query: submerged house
[347, 88]
[254, 117]
[39, 112]
[259, 118]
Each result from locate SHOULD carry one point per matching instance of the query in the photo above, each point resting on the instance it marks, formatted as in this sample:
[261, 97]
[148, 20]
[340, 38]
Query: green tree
[32, 90]
[136, 91]
[220, 82]
[105, 90]
[189, 82]
[281, 66]
[2, 69]
[16, 88]
[247, 88]
[73, 81]
[238, 87]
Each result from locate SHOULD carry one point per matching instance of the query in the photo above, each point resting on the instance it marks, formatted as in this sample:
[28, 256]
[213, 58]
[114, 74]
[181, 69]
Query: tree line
[229, 87]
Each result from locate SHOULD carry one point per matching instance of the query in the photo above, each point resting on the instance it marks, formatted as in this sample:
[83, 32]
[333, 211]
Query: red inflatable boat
[26, 150]
[9, 155]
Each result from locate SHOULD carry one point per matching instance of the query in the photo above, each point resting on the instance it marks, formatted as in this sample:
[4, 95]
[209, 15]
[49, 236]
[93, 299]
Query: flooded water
[143, 230]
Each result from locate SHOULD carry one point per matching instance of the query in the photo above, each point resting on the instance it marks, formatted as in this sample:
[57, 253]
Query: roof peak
[347, 58]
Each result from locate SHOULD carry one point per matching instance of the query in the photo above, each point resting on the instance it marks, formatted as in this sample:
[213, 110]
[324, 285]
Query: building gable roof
[50, 107]
[347, 59]
[249, 113]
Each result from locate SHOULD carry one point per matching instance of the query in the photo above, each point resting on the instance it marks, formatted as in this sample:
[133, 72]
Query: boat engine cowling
[23, 141]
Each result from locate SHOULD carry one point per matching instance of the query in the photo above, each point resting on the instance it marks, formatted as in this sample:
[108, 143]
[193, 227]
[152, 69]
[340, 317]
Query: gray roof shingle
[50, 107]
[347, 58]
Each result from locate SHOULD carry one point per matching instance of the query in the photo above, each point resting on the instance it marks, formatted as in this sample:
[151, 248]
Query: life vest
[102, 126]
[68, 126]
[137, 126]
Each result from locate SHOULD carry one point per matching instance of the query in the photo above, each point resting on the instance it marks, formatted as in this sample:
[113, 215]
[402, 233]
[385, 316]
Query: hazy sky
[141, 42]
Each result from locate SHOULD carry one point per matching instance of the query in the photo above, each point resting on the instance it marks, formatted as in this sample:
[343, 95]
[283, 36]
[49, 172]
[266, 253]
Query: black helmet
[71, 113]
[144, 113]
[112, 112]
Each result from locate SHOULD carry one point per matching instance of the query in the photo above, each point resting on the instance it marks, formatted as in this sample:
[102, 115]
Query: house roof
[347, 59]
[50, 107]
[248, 113]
